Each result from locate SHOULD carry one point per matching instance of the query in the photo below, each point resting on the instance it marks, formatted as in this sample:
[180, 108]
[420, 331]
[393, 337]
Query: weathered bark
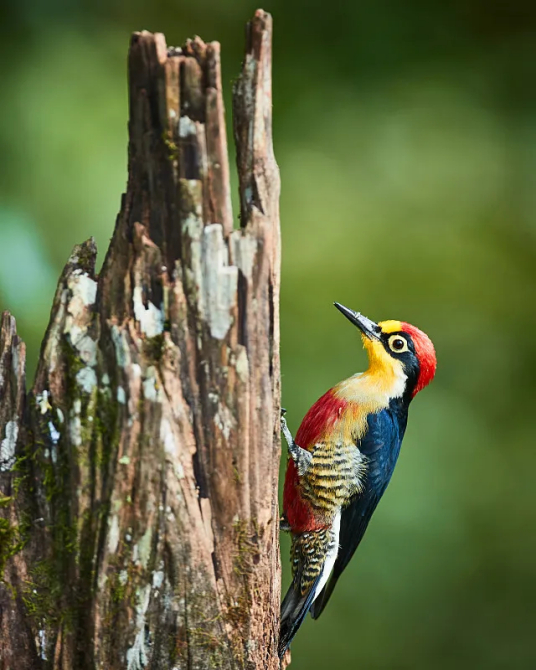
[138, 476]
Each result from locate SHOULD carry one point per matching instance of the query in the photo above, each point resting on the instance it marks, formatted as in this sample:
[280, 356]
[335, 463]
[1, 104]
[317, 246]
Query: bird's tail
[313, 555]
[322, 600]
[293, 610]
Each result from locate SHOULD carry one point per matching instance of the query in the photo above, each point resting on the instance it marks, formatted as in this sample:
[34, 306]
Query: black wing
[381, 446]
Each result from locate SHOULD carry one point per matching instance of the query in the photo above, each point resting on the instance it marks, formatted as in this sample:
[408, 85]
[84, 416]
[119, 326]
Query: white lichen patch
[219, 282]
[60, 416]
[209, 275]
[87, 349]
[54, 434]
[251, 645]
[81, 295]
[171, 447]
[121, 395]
[158, 579]
[42, 644]
[144, 548]
[86, 379]
[224, 420]
[42, 402]
[113, 534]
[83, 289]
[137, 656]
[8, 445]
[75, 424]
[15, 360]
[152, 390]
[167, 438]
[186, 127]
[242, 364]
[192, 227]
[106, 379]
[52, 350]
[121, 345]
[244, 252]
[150, 318]
[103, 578]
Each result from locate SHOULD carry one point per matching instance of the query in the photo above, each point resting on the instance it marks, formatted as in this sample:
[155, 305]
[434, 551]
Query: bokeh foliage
[406, 135]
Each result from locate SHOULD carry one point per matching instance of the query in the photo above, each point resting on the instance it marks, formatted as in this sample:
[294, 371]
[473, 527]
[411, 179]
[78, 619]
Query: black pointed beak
[366, 326]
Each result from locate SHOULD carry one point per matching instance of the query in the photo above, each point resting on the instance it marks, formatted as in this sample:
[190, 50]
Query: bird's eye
[398, 344]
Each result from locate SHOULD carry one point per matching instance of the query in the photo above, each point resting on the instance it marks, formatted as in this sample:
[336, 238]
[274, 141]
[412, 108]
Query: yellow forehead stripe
[390, 326]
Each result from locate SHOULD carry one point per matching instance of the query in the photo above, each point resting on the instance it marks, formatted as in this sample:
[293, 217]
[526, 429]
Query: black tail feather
[322, 600]
[293, 611]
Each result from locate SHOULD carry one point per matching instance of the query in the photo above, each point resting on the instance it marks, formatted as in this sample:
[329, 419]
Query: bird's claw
[286, 432]
[300, 456]
[284, 525]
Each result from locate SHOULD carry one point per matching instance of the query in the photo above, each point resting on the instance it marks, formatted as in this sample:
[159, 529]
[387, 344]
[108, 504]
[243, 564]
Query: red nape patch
[319, 419]
[425, 353]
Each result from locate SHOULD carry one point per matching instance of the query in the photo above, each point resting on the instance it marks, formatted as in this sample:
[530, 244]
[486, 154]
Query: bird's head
[398, 352]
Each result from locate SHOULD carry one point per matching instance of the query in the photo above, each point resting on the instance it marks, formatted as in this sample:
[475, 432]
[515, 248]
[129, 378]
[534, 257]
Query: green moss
[73, 365]
[118, 588]
[105, 428]
[12, 540]
[46, 487]
[171, 146]
[237, 477]
[237, 612]
[5, 500]
[86, 254]
[245, 547]
[153, 348]
[202, 633]
[42, 593]
[121, 600]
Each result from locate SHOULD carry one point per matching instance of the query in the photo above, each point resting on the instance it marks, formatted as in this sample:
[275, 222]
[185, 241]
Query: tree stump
[138, 476]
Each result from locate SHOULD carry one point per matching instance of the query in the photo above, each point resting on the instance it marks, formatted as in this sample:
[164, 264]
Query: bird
[342, 459]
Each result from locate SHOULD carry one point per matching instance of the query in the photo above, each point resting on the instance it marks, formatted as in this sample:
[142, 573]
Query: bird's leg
[301, 457]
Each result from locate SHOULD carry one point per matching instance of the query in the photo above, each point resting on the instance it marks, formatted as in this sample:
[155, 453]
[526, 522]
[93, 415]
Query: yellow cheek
[385, 370]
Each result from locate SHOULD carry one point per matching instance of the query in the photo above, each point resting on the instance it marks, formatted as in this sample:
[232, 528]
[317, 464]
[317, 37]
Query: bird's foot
[301, 457]
[284, 525]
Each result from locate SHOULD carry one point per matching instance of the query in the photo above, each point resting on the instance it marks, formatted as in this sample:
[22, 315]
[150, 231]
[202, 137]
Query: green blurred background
[406, 136]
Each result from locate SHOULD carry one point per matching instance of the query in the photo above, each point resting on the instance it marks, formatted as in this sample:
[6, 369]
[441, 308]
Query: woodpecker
[342, 459]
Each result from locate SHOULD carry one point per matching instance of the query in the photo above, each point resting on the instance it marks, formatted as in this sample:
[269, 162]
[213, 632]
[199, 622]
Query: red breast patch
[319, 419]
